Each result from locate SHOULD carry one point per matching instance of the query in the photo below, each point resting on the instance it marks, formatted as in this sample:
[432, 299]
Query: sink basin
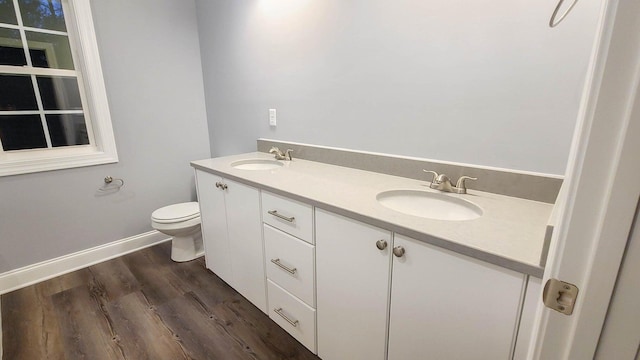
[256, 164]
[429, 205]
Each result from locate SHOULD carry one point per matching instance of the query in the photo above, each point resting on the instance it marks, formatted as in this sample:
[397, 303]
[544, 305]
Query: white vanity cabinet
[352, 276]
[232, 234]
[449, 306]
[437, 304]
[345, 289]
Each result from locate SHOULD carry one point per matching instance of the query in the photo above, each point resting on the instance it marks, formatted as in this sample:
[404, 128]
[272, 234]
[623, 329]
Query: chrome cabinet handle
[398, 251]
[288, 269]
[220, 185]
[381, 244]
[275, 213]
[289, 320]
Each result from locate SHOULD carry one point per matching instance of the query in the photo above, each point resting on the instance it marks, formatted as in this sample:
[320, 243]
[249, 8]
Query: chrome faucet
[280, 155]
[443, 183]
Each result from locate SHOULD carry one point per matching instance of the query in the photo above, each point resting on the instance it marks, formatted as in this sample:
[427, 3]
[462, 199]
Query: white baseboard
[32, 274]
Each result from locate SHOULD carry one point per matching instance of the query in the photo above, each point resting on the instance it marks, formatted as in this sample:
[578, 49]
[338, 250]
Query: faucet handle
[287, 154]
[460, 185]
[278, 153]
[435, 174]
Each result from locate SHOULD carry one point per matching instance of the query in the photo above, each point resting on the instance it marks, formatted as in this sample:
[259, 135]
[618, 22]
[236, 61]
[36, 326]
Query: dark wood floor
[140, 306]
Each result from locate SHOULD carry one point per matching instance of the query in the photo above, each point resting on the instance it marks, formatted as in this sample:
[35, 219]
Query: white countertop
[510, 233]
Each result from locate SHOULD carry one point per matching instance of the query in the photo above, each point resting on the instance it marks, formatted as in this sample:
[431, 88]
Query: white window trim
[79, 21]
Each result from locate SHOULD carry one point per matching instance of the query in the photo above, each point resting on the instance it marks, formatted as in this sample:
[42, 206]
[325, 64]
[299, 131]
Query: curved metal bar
[553, 22]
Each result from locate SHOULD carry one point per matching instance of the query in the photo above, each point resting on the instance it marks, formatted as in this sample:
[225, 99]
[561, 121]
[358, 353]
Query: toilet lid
[176, 213]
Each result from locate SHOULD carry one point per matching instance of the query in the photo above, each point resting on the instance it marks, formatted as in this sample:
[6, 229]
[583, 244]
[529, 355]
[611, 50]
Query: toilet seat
[176, 213]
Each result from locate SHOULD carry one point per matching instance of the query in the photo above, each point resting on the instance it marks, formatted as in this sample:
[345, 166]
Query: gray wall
[151, 63]
[486, 83]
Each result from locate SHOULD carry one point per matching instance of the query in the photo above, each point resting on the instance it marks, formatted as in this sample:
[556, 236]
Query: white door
[621, 333]
[214, 224]
[352, 277]
[602, 188]
[245, 240]
[448, 306]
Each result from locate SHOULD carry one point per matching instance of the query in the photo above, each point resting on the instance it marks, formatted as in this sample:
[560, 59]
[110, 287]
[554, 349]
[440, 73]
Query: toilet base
[187, 248]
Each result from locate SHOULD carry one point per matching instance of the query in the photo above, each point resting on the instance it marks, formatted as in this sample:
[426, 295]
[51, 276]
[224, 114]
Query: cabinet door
[448, 306]
[245, 239]
[352, 277]
[528, 317]
[214, 225]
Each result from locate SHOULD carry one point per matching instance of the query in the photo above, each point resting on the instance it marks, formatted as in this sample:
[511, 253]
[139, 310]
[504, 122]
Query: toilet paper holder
[111, 183]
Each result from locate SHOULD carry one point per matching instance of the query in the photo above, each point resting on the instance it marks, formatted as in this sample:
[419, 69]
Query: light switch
[272, 117]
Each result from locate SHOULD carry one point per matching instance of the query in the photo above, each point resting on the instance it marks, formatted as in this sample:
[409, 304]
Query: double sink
[424, 204]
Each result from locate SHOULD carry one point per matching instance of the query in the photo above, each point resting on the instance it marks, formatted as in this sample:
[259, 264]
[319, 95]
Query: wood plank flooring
[140, 306]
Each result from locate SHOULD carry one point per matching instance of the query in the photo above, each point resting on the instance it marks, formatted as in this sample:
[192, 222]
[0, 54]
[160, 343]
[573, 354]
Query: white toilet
[182, 221]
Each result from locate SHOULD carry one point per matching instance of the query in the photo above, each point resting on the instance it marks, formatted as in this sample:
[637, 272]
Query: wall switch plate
[272, 117]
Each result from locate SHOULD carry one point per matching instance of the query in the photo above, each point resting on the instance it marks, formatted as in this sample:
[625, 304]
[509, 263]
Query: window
[53, 106]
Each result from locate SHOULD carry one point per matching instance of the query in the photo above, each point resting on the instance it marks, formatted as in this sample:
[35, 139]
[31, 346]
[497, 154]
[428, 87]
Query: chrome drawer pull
[292, 322]
[290, 270]
[275, 213]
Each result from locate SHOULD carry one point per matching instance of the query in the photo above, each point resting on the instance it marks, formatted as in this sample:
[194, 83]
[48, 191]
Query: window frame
[88, 69]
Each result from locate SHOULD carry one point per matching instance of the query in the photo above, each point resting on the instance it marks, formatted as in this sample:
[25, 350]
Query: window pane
[11, 50]
[16, 93]
[67, 129]
[18, 132]
[43, 14]
[59, 93]
[7, 12]
[50, 51]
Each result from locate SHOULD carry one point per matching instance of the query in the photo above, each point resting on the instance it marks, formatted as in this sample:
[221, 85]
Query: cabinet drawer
[296, 317]
[290, 263]
[290, 216]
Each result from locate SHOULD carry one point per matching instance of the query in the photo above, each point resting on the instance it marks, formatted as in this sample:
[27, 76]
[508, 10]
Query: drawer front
[296, 317]
[290, 216]
[290, 263]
